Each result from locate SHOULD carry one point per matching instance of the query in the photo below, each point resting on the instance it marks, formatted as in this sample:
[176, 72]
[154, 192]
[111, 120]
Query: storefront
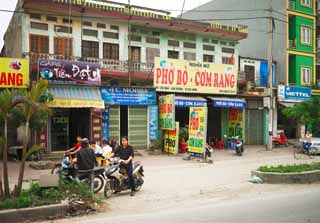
[129, 113]
[77, 103]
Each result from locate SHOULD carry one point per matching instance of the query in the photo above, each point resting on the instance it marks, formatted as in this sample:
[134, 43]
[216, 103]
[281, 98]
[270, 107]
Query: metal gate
[115, 123]
[137, 127]
[254, 127]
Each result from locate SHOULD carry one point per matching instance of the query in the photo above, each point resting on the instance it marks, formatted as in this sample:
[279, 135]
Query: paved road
[292, 208]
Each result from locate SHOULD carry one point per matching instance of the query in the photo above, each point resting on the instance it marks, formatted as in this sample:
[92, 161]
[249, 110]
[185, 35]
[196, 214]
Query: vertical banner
[106, 123]
[167, 112]
[235, 122]
[197, 130]
[96, 121]
[153, 122]
[171, 140]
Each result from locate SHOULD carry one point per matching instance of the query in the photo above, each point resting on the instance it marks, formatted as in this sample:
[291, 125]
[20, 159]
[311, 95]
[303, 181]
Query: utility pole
[270, 79]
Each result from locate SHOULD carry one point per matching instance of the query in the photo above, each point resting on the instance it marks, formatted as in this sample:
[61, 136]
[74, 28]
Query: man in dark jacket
[85, 158]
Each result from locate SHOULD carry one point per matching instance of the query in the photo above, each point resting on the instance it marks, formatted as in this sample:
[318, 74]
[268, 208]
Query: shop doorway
[182, 116]
[123, 121]
[214, 125]
[79, 124]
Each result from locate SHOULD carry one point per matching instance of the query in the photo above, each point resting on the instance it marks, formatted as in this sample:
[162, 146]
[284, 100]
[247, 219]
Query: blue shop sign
[128, 96]
[153, 122]
[293, 93]
[105, 124]
[229, 103]
[186, 102]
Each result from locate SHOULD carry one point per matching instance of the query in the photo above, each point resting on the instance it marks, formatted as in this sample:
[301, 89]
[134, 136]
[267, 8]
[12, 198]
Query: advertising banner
[167, 112]
[153, 122]
[197, 130]
[129, 96]
[194, 77]
[171, 140]
[14, 73]
[293, 93]
[221, 103]
[235, 123]
[105, 124]
[70, 72]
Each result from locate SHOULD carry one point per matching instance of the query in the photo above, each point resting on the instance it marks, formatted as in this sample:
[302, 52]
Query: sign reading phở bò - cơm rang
[14, 73]
[171, 75]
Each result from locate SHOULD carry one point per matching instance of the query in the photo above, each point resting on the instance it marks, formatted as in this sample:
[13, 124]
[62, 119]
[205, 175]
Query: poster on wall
[70, 72]
[197, 130]
[105, 123]
[167, 112]
[14, 73]
[171, 75]
[171, 140]
[235, 123]
[153, 122]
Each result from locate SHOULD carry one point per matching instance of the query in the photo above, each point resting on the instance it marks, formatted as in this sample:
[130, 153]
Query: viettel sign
[14, 73]
[293, 93]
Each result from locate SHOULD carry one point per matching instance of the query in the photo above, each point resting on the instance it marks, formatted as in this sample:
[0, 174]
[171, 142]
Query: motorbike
[117, 179]
[281, 140]
[238, 144]
[67, 170]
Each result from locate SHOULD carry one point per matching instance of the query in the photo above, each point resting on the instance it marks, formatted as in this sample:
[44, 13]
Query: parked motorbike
[281, 140]
[238, 144]
[67, 170]
[117, 179]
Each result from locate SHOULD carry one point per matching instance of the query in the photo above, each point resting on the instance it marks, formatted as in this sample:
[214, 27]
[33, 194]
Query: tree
[306, 112]
[37, 99]
[9, 99]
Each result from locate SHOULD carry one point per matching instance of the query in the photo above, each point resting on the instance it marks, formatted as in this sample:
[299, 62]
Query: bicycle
[299, 152]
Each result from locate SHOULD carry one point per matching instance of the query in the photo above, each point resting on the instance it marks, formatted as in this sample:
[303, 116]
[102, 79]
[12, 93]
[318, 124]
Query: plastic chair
[219, 144]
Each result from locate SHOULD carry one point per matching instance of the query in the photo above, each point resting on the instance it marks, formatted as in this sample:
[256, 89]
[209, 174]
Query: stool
[219, 144]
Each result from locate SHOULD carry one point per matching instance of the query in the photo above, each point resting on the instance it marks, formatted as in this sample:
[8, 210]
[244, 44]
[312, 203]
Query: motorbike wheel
[138, 186]
[107, 189]
[56, 169]
[98, 183]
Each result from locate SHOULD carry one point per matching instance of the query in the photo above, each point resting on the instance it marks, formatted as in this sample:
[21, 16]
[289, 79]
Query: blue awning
[228, 103]
[182, 101]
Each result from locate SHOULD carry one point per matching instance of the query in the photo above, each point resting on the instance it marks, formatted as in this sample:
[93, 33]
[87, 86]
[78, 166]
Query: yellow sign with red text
[14, 73]
[197, 130]
[171, 75]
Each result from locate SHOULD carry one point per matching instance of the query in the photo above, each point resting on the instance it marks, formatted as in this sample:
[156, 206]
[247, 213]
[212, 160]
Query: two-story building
[99, 59]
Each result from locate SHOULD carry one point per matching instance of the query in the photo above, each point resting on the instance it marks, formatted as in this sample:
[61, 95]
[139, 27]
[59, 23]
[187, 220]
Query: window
[111, 35]
[173, 54]
[151, 54]
[214, 41]
[63, 46]
[112, 27]
[101, 25]
[208, 58]
[69, 21]
[62, 29]
[226, 60]
[173, 43]
[110, 51]
[305, 35]
[134, 54]
[90, 49]
[154, 33]
[52, 19]
[249, 72]
[227, 50]
[223, 43]
[189, 45]
[208, 47]
[306, 75]
[189, 56]
[205, 40]
[152, 40]
[135, 38]
[39, 44]
[306, 3]
[86, 23]
[35, 16]
[232, 44]
[90, 32]
[37, 25]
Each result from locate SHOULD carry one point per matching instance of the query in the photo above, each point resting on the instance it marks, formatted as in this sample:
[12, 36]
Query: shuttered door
[254, 127]
[137, 127]
[115, 123]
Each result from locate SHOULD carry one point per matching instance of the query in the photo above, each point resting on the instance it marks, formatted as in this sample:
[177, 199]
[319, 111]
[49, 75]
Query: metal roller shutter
[254, 127]
[115, 123]
[137, 127]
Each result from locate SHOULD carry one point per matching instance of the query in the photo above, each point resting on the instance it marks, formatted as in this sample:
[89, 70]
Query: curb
[288, 178]
[33, 214]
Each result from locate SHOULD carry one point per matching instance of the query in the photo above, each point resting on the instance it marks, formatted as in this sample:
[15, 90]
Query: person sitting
[113, 144]
[96, 148]
[309, 140]
[106, 148]
[86, 158]
[75, 148]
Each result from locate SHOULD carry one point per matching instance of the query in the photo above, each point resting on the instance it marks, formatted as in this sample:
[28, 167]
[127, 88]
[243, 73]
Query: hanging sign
[153, 122]
[197, 130]
[167, 112]
[171, 75]
[106, 123]
[171, 140]
[14, 73]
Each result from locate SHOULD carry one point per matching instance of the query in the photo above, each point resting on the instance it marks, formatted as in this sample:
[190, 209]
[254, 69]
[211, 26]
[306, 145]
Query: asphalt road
[297, 207]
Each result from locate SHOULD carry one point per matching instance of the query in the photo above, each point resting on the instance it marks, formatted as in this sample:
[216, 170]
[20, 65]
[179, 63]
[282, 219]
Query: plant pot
[183, 147]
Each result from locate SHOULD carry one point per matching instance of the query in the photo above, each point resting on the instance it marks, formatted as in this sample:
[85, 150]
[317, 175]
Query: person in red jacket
[76, 147]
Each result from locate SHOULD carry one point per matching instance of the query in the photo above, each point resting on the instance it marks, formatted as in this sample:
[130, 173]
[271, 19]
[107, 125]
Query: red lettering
[215, 82]
[158, 75]
[179, 77]
[232, 82]
[19, 79]
[3, 79]
[11, 78]
[227, 80]
[164, 76]
[208, 79]
[221, 82]
[185, 78]
[197, 80]
[171, 76]
[169, 108]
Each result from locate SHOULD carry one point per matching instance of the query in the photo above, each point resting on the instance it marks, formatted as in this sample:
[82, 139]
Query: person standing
[85, 158]
[126, 153]
[309, 140]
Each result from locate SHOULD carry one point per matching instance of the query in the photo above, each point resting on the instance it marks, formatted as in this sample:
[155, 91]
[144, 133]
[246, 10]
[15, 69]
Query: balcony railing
[292, 5]
[106, 64]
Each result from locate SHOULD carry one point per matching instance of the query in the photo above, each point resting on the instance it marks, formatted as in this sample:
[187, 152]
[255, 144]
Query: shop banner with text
[235, 123]
[14, 73]
[167, 112]
[70, 72]
[171, 140]
[197, 130]
[106, 124]
[171, 75]
[153, 122]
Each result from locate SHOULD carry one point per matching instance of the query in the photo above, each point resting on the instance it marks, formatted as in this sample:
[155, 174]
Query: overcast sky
[174, 6]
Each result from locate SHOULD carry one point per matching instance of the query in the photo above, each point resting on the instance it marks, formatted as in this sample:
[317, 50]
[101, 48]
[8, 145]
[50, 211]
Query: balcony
[106, 64]
[292, 5]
